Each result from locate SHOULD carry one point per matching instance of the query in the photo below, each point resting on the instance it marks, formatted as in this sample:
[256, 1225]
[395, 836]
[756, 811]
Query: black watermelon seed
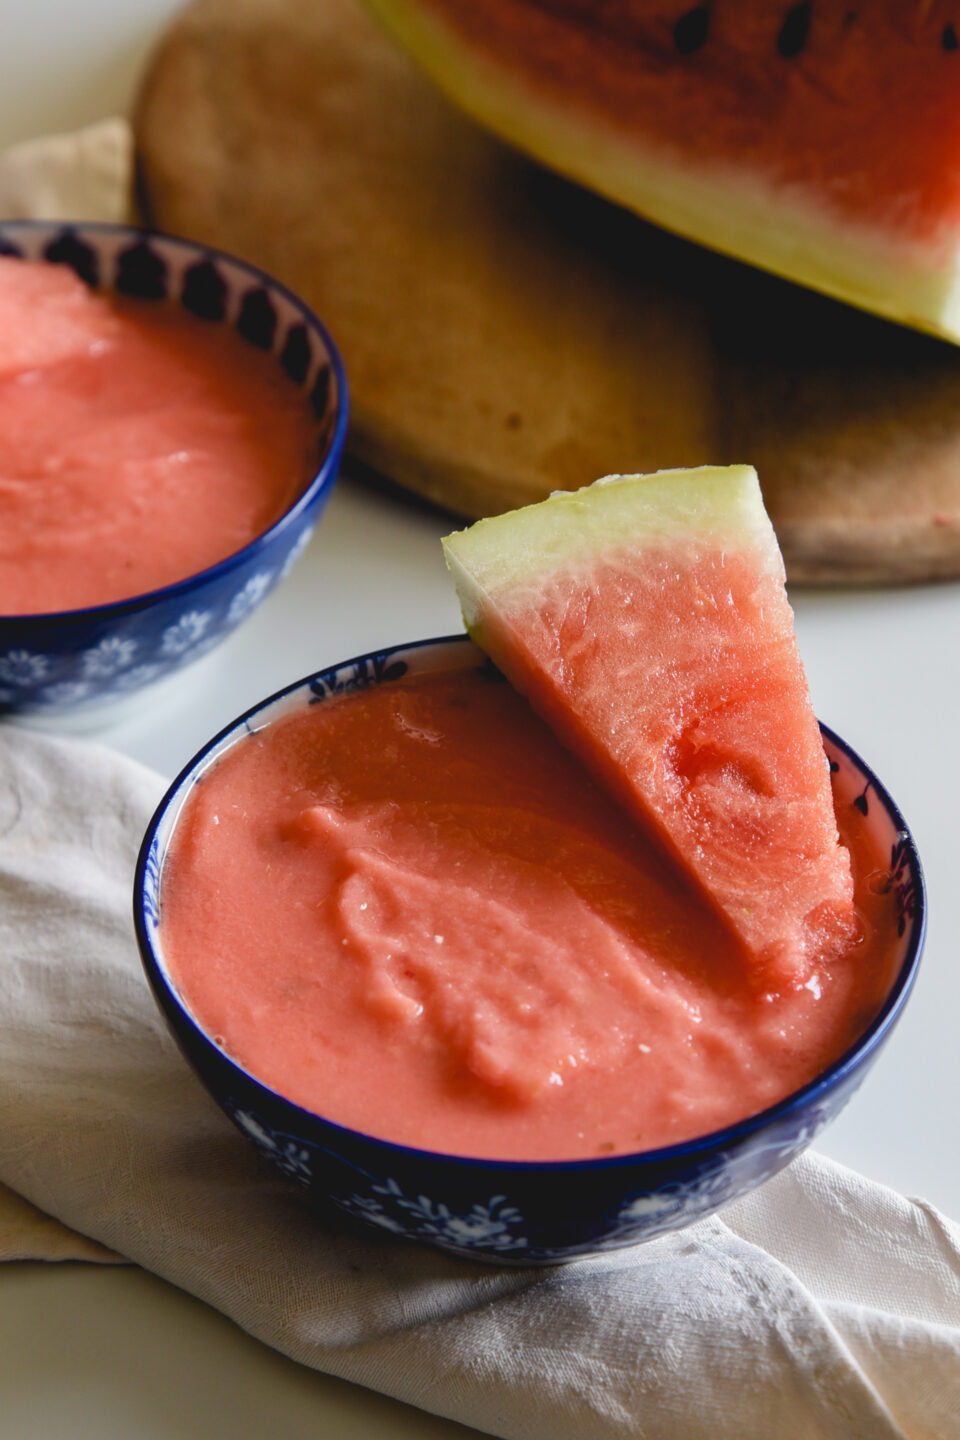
[949, 39]
[794, 31]
[7, 247]
[67, 249]
[204, 291]
[690, 31]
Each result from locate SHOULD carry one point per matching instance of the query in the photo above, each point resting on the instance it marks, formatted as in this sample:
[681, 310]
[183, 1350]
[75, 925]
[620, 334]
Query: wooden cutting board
[505, 333]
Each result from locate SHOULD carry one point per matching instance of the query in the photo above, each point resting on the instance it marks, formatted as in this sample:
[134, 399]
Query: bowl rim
[666, 1156]
[321, 481]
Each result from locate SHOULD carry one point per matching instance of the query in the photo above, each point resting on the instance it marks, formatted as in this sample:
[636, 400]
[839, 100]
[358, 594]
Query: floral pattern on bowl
[59, 662]
[518, 1213]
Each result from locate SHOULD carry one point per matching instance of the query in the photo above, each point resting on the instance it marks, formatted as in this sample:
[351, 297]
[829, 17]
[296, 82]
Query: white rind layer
[687, 510]
[775, 227]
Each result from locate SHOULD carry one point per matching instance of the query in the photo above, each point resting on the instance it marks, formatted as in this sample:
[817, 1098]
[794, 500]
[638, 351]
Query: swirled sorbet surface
[409, 909]
[138, 443]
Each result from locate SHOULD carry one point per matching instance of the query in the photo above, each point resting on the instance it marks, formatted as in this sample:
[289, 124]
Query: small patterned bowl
[56, 663]
[518, 1213]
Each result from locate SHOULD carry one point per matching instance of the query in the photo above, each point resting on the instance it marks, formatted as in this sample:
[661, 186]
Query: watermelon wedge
[819, 141]
[646, 620]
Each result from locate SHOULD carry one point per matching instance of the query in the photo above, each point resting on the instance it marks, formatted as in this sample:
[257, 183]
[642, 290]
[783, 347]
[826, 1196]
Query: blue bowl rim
[666, 1156]
[320, 482]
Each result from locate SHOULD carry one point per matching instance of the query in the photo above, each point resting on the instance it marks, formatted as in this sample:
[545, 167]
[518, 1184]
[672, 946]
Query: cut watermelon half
[646, 620]
[820, 142]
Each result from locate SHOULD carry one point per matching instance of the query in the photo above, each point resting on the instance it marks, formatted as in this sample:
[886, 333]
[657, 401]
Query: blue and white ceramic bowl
[518, 1212]
[59, 662]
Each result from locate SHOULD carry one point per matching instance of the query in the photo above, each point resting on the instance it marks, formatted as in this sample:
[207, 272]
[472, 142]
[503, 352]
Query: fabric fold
[85, 174]
[27, 1234]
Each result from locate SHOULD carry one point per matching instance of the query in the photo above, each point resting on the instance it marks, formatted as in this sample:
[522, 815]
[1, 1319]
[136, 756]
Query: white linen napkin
[27, 1234]
[821, 1306]
[83, 175]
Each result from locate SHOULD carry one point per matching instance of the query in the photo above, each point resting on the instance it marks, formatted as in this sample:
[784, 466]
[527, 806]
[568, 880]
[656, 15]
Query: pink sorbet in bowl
[171, 423]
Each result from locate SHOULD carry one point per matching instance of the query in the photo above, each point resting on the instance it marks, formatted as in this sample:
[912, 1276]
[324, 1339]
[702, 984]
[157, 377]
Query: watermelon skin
[646, 620]
[821, 143]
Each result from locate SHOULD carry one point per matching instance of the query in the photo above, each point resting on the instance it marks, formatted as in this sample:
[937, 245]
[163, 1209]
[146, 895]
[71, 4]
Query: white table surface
[90, 1352]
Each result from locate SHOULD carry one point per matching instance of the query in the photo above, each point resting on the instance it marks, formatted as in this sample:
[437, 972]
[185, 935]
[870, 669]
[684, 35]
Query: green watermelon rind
[685, 510]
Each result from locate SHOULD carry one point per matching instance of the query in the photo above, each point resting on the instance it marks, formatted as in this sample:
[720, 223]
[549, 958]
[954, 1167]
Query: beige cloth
[27, 1234]
[85, 175]
[822, 1306]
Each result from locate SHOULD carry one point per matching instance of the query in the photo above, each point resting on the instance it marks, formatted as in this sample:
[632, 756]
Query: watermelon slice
[646, 620]
[821, 142]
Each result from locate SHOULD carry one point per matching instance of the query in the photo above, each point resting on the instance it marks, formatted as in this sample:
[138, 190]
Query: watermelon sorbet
[139, 444]
[410, 910]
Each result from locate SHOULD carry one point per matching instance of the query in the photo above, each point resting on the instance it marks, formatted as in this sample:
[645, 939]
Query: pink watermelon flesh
[672, 671]
[819, 142]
